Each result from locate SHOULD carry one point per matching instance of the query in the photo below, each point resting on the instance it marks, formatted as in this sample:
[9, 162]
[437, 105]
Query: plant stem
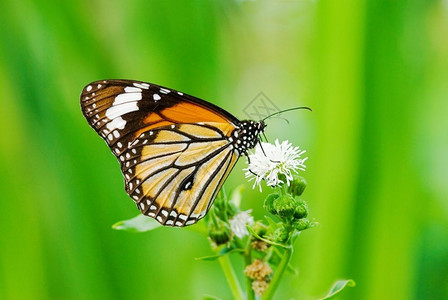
[229, 273]
[273, 285]
[248, 261]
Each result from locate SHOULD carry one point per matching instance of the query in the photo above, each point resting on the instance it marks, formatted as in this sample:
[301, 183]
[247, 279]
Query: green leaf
[337, 287]
[139, 223]
[224, 251]
[143, 223]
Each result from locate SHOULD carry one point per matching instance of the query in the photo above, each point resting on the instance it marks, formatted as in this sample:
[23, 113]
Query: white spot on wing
[156, 97]
[131, 89]
[119, 110]
[141, 85]
[117, 123]
[128, 97]
[89, 88]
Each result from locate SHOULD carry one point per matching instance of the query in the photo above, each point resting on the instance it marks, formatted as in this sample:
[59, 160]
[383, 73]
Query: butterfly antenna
[261, 146]
[265, 137]
[289, 109]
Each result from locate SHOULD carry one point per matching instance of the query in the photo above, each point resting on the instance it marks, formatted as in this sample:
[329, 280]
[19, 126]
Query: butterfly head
[246, 136]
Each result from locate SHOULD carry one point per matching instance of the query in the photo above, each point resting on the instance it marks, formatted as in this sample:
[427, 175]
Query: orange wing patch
[191, 113]
[153, 118]
[187, 113]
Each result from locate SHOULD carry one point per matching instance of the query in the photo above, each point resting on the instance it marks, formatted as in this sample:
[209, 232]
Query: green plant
[265, 245]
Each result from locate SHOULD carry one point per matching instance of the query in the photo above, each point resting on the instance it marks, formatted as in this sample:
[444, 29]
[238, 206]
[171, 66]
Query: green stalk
[229, 273]
[248, 261]
[273, 285]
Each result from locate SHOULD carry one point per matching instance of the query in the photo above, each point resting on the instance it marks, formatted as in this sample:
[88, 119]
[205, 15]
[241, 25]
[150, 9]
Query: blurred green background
[374, 72]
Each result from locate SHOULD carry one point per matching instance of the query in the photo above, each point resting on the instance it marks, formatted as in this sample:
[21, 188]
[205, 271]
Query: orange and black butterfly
[175, 150]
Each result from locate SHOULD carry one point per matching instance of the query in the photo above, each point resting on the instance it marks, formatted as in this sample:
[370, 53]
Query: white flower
[269, 161]
[239, 221]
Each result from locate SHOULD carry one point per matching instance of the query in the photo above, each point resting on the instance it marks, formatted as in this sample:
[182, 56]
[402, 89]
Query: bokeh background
[374, 72]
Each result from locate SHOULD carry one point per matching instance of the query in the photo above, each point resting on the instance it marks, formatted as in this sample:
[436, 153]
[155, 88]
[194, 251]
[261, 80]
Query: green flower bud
[285, 205]
[301, 211]
[280, 235]
[301, 224]
[297, 185]
[282, 178]
[219, 234]
[269, 203]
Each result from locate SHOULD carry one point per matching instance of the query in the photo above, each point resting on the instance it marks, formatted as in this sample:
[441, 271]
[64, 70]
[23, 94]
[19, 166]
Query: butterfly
[175, 150]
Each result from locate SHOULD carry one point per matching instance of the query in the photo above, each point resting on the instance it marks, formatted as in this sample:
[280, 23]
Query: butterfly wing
[177, 181]
[175, 150]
